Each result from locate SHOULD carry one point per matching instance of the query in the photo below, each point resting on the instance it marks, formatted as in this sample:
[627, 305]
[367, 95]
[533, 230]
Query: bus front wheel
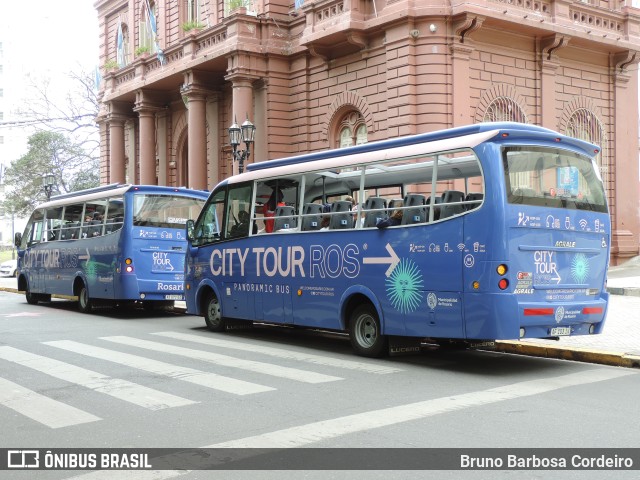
[84, 302]
[213, 315]
[32, 298]
[365, 333]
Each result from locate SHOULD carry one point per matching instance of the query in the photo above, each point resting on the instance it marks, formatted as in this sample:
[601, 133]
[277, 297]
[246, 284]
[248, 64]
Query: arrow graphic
[85, 257]
[393, 260]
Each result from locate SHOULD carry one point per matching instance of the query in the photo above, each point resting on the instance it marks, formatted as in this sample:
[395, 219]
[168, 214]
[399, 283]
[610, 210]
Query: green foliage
[233, 4]
[142, 49]
[48, 152]
[110, 65]
[188, 26]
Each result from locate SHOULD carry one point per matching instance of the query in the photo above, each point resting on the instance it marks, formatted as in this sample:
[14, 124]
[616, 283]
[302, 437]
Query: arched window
[352, 130]
[506, 109]
[584, 125]
[193, 11]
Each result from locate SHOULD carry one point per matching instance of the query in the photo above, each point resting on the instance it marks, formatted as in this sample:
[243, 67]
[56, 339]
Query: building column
[116, 149]
[147, 145]
[213, 152]
[162, 148]
[548, 67]
[626, 224]
[461, 49]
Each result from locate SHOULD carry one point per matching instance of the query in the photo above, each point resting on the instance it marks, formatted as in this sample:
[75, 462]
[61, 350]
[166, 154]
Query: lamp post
[245, 133]
[48, 181]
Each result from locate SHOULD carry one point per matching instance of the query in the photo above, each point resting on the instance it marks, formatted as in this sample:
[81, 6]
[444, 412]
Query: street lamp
[48, 181]
[245, 133]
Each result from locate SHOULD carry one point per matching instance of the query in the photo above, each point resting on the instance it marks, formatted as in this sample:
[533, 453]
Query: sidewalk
[619, 344]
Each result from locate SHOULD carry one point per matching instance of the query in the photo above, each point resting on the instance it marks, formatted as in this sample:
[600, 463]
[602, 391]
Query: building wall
[404, 68]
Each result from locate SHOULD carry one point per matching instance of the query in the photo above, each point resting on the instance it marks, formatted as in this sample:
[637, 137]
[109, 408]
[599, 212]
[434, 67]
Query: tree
[48, 152]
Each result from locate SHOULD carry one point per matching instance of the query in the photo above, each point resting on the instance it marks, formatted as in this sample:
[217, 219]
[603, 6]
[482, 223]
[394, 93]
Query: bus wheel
[32, 298]
[365, 333]
[212, 314]
[85, 305]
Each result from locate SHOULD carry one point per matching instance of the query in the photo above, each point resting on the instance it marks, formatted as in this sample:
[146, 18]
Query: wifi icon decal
[461, 246]
[583, 224]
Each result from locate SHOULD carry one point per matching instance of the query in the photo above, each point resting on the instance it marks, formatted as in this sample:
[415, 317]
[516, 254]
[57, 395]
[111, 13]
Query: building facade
[321, 74]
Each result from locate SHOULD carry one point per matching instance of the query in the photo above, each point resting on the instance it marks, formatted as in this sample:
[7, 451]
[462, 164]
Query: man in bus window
[269, 208]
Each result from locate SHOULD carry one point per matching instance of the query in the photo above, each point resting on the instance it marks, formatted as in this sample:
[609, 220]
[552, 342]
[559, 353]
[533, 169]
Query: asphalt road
[138, 379]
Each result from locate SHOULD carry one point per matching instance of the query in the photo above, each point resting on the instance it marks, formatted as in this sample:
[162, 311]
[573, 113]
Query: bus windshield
[553, 178]
[166, 211]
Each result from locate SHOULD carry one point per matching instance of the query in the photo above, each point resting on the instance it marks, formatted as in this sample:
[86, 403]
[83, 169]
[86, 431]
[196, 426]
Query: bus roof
[443, 140]
[115, 189]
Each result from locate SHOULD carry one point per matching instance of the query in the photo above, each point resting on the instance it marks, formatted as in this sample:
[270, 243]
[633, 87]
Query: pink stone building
[321, 74]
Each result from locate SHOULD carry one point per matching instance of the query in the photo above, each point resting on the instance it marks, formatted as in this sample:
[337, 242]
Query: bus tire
[365, 333]
[32, 298]
[85, 305]
[213, 315]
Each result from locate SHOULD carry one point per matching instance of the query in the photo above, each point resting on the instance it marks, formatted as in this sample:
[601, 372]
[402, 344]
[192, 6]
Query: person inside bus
[241, 229]
[326, 218]
[393, 220]
[269, 208]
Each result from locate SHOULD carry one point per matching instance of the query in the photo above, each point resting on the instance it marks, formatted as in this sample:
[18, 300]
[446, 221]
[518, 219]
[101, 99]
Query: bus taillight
[503, 284]
[592, 310]
[129, 267]
[530, 312]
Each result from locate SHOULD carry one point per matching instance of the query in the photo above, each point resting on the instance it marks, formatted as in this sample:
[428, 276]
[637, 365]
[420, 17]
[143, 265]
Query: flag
[154, 33]
[98, 78]
[122, 62]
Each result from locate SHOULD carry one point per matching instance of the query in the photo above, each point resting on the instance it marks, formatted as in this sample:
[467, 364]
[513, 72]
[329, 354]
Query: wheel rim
[213, 312]
[84, 297]
[366, 331]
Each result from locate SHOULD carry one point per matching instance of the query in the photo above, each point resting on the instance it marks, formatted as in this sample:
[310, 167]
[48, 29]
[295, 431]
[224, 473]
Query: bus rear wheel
[213, 315]
[365, 333]
[85, 305]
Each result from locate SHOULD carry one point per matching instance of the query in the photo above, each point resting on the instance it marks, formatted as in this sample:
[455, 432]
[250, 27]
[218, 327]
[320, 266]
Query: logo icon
[23, 458]
[432, 301]
[583, 224]
[404, 286]
[559, 314]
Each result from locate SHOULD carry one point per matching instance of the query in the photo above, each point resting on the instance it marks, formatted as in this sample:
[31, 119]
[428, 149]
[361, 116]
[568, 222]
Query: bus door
[433, 258]
[34, 259]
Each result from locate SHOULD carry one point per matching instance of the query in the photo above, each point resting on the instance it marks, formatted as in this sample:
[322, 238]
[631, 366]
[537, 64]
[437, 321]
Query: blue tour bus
[109, 244]
[498, 231]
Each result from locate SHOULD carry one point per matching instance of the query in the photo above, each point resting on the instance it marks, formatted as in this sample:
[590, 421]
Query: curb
[577, 354]
[633, 291]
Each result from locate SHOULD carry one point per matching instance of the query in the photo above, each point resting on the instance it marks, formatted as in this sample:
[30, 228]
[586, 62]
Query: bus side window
[36, 224]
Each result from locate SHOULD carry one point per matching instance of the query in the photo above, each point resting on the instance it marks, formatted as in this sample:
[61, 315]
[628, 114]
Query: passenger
[326, 219]
[241, 229]
[269, 209]
[393, 220]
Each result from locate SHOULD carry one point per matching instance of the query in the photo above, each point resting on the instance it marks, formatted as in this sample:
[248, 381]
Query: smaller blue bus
[111, 244]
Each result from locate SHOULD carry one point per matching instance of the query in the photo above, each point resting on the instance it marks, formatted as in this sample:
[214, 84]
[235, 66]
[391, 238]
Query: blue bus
[492, 231]
[111, 244]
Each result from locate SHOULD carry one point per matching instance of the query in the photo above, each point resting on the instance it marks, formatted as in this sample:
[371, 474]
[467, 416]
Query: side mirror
[17, 239]
[190, 230]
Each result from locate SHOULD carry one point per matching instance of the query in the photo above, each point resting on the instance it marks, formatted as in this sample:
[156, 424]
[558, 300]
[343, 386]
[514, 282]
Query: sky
[60, 37]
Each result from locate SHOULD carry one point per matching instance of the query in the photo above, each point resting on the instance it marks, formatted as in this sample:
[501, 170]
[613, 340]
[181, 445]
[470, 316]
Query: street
[161, 379]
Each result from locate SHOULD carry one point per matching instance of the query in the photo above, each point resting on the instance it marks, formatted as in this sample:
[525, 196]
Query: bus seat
[417, 213]
[378, 205]
[342, 216]
[449, 196]
[312, 221]
[95, 228]
[74, 230]
[473, 197]
[285, 218]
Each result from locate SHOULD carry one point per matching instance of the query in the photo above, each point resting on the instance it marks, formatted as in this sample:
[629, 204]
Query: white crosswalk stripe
[120, 389]
[198, 377]
[227, 361]
[369, 367]
[42, 409]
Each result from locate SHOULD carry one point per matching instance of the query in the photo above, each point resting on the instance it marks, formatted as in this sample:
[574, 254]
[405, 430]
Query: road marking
[115, 387]
[282, 353]
[327, 429]
[42, 409]
[218, 359]
[209, 380]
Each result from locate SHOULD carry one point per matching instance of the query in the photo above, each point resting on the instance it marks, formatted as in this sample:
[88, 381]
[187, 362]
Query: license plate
[560, 331]
[173, 297]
